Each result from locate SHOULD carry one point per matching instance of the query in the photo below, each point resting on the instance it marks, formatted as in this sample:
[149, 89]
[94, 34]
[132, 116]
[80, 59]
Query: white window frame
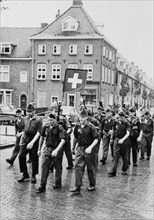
[113, 57]
[56, 71]
[89, 68]
[113, 77]
[73, 49]
[5, 46]
[70, 24]
[104, 51]
[3, 71]
[42, 49]
[109, 76]
[106, 72]
[103, 73]
[88, 49]
[23, 76]
[107, 53]
[56, 50]
[41, 72]
[110, 55]
[73, 66]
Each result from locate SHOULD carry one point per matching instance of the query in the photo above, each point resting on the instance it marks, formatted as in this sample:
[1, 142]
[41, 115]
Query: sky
[128, 24]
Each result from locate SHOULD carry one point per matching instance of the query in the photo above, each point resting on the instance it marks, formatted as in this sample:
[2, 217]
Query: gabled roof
[86, 27]
[18, 37]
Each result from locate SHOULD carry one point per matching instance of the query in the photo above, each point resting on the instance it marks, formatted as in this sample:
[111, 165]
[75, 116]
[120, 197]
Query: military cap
[30, 108]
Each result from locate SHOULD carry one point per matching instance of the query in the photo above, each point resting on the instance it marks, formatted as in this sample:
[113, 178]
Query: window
[103, 73]
[109, 75]
[54, 99]
[110, 55]
[89, 67]
[42, 49]
[104, 51]
[107, 53]
[56, 72]
[113, 58]
[56, 49]
[73, 49]
[88, 49]
[8, 97]
[106, 72]
[41, 72]
[4, 73]
[89, 96]
[112, 77]
[23, 76]
[73, 66]
[70, 24]
[5, 48]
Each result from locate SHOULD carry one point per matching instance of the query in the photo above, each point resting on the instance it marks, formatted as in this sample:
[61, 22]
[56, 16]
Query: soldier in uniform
[121, 143]
[29, 143]
[19, 127]
[134, 134]
[96, 123]
[86, 138]
[146, 135]
[107, 129]
[52, 152]
[63, 121]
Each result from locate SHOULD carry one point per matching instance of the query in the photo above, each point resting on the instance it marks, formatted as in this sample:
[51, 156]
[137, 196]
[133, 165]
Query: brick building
[15, 66]
[72, 41]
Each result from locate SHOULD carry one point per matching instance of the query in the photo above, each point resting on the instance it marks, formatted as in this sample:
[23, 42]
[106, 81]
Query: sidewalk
[7, 136]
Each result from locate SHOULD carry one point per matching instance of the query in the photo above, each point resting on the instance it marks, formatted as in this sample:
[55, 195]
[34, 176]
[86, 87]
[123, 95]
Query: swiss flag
[75, 80]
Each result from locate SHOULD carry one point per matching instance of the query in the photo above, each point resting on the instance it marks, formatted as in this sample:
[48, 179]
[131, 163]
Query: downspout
[33, 61]
[100, 87]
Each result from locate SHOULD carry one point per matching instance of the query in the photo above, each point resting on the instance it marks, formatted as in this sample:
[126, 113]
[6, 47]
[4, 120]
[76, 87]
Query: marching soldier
[107, 129]
[134, 134]
[29, 143]
[86, 138]
[52, 152]
[146, 135]
[121, 143]
[19, 127]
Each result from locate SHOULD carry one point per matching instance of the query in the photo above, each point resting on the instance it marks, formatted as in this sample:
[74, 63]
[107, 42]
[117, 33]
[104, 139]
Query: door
[23, 101]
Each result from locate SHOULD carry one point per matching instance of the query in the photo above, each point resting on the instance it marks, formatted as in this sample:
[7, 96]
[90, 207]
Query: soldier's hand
[139, 139]
[39, 153]
[120, 141]
[88, 150]
[54, 153]
[29, 146]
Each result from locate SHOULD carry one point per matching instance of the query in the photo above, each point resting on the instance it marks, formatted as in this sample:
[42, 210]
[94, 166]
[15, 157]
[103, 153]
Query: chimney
[57, 15]
[77, 2]
[43, 25]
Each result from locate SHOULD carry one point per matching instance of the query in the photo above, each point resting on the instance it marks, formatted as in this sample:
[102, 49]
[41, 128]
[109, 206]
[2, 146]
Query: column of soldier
[123, 132]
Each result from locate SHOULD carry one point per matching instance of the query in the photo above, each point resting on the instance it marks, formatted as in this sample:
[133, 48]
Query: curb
[3, 146]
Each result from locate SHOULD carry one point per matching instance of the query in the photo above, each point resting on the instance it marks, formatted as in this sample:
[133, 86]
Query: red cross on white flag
[75, 80]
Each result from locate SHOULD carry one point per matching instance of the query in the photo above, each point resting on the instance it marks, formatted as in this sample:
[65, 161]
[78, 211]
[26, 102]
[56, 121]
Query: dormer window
[70, 24]
[6, 48]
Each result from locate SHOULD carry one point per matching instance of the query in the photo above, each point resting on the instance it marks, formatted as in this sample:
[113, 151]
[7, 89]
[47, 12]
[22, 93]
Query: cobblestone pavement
[121, 197]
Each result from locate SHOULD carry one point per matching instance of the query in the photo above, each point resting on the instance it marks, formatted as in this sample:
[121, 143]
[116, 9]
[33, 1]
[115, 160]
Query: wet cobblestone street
[121, 197]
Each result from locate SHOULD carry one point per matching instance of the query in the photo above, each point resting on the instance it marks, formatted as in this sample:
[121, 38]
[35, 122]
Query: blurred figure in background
[19, 127]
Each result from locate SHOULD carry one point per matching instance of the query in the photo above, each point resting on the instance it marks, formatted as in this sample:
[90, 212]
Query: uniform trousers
[15, 150]
[120, 150]
[146, 144]
[68, 153]
[83, 159]
[34, 157]
[47, 159]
